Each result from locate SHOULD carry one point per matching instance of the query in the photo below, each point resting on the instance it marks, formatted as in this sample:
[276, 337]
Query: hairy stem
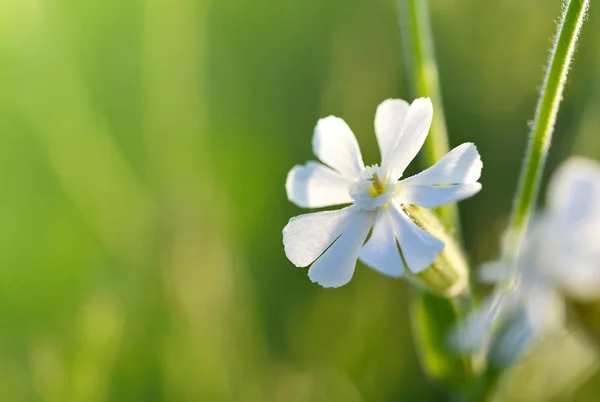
[569, 27]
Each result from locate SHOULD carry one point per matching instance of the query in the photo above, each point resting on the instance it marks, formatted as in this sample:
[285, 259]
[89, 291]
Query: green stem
[431, 317]
[574, 12]
[545, 117]
[424, 79]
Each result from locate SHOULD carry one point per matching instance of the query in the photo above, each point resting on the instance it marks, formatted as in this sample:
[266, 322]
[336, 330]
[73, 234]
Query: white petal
[474, 333]
[381, 251]
[493, 272]
[414, 132]
[574, 191]
[579, 277]
[419, 249]
[545, 309]
[336, 266]
[389, 119]
[461, 165]
[315, 185]
[307, 236]
[513, 341]
[335, 145]
[434, 196]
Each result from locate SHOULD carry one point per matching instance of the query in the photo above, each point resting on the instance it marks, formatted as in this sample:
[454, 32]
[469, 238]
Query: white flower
[510, 319]
[560, 255]
[333, 240]
[571, 228]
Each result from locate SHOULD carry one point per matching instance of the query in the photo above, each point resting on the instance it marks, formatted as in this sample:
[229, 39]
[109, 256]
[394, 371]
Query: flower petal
[474, 333]
[434, 196]
[414, 132]
[461, 165]
[307, 236]
[381, 251]
[545, 309]
[336, 266]
[335, 145]
[574, 191]
[389, 119]
[578, 276]
[315, 185]
[493, 272]
[419, 249]
[512, 342]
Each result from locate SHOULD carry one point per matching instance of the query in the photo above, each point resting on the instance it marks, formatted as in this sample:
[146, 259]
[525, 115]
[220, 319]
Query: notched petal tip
[327, 284]
[462, 165]
[477, 164]
[325, 122]
[390, 105]
[415, 128]
[423, 104]
[426, 99]
[335, 145]
[389, 119]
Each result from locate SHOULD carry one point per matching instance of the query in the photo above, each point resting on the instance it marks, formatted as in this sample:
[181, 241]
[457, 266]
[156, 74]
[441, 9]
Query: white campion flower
[333, 240]
[560, 256]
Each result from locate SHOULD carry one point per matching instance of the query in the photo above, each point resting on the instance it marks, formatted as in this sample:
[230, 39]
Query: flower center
[373, 188]
[378, 187]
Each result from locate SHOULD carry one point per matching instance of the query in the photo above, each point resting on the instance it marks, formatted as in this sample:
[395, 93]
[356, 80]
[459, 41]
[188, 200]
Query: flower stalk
[561, 56]
[432, 317]
[419, 53]
[540, 138]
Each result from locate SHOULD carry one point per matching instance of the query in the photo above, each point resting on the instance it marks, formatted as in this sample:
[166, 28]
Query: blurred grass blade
[554, 370]
[540, 137]
[52, 97]
[433, 317]
[174, 96]
[213, 348]
[419, 53]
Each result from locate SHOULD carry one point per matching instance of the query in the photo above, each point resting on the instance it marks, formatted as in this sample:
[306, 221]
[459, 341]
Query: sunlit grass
[143, 151]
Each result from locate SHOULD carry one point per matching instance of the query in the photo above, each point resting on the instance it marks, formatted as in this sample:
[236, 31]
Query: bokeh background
[144, 147]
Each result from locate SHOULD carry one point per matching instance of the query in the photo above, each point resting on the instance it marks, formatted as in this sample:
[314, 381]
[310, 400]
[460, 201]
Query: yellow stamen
[378, 187]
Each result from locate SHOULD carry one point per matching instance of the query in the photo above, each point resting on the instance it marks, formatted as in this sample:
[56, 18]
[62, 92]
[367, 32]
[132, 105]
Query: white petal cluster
[332, 241]
[560, 257]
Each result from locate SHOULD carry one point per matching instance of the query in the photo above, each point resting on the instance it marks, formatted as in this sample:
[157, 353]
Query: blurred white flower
[560, 256]
[333, 240]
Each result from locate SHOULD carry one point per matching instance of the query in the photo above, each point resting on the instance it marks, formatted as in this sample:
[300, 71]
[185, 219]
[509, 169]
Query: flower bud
[448, 276]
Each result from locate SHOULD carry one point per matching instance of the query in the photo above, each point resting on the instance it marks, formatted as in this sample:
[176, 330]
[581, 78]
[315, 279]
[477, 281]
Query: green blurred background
[144, 147]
